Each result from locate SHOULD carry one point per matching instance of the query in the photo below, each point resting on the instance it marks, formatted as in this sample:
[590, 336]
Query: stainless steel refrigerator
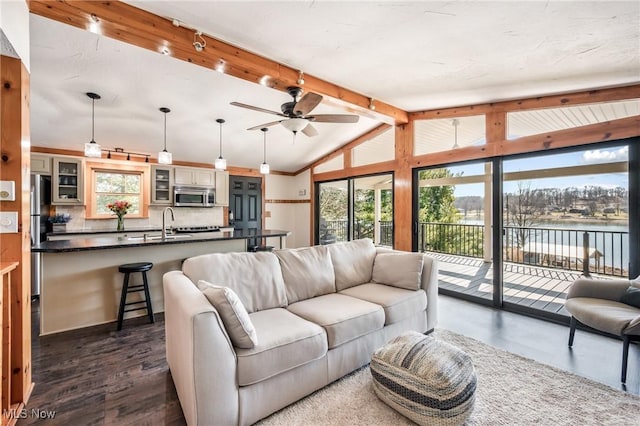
[40, 207]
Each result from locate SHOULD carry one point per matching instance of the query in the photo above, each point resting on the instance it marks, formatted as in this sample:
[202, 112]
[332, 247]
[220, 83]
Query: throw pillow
[403, 270]
[233, 314]
[631, 297]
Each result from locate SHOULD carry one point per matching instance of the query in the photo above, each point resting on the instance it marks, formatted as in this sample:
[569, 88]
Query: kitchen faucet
[164, 214]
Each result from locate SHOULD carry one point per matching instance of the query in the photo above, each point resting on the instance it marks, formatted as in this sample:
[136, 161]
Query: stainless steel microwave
[193, 196]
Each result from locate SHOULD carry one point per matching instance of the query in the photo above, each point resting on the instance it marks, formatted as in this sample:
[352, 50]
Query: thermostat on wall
[7, 190]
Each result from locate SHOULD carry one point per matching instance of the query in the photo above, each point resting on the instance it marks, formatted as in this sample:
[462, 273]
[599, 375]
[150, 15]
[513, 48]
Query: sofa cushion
[233, 314]
[403, 270]
[307, 272]
[344, 318]
[255, 277]
[352, 262]
[286, 342]
[397, 303]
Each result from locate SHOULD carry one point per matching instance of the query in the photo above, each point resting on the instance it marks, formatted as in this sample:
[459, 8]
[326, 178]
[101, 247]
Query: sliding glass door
[566, 215]
[355, 208]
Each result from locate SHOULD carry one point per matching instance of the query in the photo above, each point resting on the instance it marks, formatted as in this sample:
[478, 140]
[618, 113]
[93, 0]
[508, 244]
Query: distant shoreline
[574, 219]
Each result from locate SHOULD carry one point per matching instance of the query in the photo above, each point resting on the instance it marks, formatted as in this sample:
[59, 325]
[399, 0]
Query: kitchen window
[118, 182]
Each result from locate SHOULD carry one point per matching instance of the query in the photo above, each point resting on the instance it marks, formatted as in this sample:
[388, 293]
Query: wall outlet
[302, 192]
[8, 222]
[7, 190]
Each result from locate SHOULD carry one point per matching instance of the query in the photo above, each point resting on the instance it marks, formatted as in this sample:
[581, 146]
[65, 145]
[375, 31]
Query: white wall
[294, 217]
[14, 22]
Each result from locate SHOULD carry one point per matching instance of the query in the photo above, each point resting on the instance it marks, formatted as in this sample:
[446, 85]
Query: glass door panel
[333, 212]
[565, 215]
[454, 225]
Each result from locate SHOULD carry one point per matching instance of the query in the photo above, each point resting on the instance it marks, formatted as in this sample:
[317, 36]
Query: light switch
[8, 222]
[7, 190]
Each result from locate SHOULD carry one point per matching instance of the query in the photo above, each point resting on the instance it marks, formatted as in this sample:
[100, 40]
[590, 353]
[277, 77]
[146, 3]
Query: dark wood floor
[97, 376]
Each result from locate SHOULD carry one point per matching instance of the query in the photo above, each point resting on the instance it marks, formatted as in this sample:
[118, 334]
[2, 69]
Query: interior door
[245, 202]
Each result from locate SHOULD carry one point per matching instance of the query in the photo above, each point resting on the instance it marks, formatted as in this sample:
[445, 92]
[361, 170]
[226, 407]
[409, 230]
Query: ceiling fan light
[92, 150]
[220, 164]
[264, 168]
[165, 157]
[295, 124]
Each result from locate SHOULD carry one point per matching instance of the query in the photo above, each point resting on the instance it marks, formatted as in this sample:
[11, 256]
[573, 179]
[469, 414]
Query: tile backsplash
[184, 216]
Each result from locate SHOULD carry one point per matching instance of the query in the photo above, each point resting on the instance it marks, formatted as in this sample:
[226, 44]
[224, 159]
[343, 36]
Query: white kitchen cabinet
[161, 185]
[68, 181]
[222, 188]
[194, 176]
[41, 164]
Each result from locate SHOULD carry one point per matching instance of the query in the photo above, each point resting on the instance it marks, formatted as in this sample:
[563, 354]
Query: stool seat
[135, 267]
[128, 269]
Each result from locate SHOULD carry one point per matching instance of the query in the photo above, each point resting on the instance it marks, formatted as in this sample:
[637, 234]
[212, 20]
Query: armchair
[596, 304]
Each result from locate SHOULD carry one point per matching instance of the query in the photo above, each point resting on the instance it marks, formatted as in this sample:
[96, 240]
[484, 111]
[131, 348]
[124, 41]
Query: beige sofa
[318, 314]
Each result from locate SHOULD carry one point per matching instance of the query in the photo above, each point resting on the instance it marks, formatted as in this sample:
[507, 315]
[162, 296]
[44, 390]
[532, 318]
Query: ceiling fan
[295, 113]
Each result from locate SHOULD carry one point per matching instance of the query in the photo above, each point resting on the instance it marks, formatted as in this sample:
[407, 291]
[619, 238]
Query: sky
[548, 161]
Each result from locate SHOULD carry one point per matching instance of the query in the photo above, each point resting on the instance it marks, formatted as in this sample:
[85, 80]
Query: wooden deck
[535, 287]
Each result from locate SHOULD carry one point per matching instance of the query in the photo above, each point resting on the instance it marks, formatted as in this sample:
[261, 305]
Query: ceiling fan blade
[273, 123]
[255, 108]
[334, 118]
[308, 102]
[310, 131]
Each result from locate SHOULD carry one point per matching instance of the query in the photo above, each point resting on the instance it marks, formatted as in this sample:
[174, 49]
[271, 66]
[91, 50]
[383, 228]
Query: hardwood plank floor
[97, 376]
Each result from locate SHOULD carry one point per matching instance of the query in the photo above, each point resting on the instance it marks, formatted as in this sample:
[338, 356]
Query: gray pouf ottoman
[427, 380]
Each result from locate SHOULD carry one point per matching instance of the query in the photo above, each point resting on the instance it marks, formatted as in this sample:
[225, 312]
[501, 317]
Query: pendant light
[221, 163]
[264, 167]
[92, 149]
[455, 122]
[164, 156]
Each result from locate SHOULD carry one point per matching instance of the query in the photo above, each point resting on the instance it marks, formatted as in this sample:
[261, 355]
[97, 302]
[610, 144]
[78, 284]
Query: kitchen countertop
[113, 242]
[105, 231]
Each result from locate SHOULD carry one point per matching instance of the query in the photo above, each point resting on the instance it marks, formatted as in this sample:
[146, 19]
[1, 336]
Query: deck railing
[336, 230]
[451, 238]
[586, 251]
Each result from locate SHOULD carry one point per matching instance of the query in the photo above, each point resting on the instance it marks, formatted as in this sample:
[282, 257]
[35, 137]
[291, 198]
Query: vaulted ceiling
[412, 55]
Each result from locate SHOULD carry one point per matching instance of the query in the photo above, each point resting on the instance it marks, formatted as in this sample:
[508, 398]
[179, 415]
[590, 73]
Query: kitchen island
[80, 280]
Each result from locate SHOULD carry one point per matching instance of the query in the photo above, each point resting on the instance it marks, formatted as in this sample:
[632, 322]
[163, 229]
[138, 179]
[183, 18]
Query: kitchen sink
[159, 237]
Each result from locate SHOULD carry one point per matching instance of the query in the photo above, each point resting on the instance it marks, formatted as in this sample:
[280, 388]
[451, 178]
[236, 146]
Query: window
[119, 183]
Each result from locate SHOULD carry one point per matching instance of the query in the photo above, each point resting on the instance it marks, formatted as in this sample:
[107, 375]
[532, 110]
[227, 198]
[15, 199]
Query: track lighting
[300, 78]
[94, 24]
[92, 149]
[221, 163]
[372, 106]
[199, 43]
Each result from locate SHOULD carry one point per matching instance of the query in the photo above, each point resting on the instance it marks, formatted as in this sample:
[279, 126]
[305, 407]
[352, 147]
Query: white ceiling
[413, 55]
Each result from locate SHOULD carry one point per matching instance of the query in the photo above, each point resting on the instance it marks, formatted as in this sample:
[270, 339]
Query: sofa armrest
[429, 283]
[598, 289]
[199, 353]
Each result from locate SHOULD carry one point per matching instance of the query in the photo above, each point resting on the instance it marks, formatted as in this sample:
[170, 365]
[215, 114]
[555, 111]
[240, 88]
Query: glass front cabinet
[161, 185]
[67, 181]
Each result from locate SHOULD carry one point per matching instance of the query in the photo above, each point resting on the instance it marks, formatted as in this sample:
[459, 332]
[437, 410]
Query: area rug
[512, 390]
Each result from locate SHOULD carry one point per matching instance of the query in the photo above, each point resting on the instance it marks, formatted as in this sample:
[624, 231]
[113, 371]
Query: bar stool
[128, 269]
[256, 249]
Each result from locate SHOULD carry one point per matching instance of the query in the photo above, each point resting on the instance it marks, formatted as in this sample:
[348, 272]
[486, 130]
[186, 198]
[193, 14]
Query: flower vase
[120, 223]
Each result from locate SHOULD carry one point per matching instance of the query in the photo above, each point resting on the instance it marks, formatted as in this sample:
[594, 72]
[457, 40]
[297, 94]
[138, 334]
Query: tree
[522, 211]
[436, 203]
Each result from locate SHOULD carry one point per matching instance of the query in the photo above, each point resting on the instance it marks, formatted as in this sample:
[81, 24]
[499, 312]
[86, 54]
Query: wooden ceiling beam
[135, 26]
[553, 101]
